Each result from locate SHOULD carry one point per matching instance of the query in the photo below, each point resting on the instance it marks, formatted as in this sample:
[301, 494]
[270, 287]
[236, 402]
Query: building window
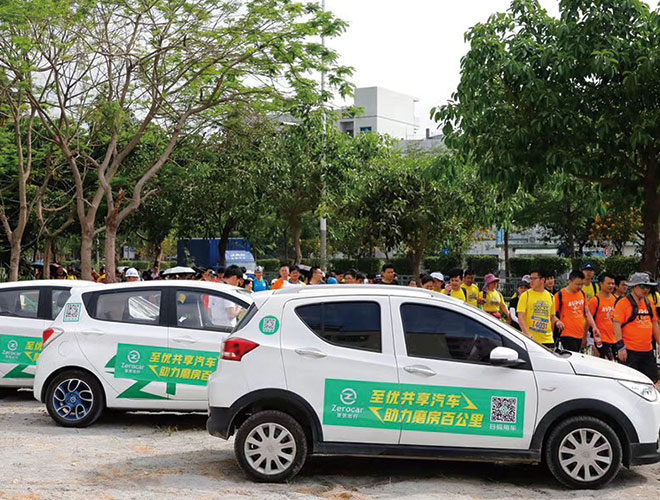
[365, 129]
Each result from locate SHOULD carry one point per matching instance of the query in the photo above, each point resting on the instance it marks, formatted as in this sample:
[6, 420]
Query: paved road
[142, 455]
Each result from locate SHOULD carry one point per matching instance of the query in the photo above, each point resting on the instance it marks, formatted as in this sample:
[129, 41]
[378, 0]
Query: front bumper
[219, 422]
[644, 453]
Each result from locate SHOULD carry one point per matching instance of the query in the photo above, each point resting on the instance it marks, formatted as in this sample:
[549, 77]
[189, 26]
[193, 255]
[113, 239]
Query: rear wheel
[75, 399]
[583, 452]
[271, 446]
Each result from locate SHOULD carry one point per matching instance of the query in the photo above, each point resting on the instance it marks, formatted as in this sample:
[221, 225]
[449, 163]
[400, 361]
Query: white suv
[395, 371]
[26, 308]
[135, 346]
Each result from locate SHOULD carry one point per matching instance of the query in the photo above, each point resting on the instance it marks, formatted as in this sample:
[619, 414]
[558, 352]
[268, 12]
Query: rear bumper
[219, 422]
[644, 453]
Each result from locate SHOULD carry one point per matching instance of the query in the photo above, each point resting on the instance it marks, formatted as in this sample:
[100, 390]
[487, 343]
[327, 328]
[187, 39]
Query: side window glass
[206, 311]
[58, 299]
[355, 325]
[436, 333]
[139, 306]
[19, 303]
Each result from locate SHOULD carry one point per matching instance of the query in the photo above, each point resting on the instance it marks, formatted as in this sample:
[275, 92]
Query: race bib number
[539, 325]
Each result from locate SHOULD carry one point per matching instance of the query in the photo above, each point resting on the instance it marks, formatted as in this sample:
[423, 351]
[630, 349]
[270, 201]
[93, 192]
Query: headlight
[647, 391]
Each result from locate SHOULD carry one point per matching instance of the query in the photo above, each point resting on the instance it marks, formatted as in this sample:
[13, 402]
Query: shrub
[519, 266]
[402, 265]
[483, 264]
[443, 262]
[270, 265]
[597, 262]
[623, 266]
[365, 265]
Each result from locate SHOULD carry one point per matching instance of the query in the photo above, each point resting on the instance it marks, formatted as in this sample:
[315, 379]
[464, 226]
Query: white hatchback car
[136, 346]
[401, 372]
[26, 308]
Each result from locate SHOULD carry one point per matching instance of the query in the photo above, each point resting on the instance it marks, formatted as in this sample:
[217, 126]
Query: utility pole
[323, 221]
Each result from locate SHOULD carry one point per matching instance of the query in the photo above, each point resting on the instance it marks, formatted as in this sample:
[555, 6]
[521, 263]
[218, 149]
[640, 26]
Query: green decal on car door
[428, 408]
[161, 364]
[22, 351]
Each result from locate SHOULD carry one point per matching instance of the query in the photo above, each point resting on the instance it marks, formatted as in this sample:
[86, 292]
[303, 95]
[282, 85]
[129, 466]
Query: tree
[107, 73]
[579, 94]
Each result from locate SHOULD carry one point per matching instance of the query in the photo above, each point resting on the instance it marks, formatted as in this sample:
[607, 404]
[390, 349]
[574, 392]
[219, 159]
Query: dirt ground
[158, 455]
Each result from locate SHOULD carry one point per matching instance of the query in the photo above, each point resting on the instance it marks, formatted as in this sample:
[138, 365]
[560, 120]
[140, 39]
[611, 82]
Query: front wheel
[75, 399]
[583, 453]
[271, 446]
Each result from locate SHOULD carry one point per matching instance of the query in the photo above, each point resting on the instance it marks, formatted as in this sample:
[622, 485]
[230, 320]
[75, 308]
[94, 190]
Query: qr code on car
[503, 410]
[72, 312]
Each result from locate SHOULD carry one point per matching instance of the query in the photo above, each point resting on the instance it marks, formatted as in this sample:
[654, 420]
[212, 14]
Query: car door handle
[184, 340]
[419, 370]
[312, 353]
[92, 331]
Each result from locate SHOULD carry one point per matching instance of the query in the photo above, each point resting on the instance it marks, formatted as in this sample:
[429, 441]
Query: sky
[412, 46]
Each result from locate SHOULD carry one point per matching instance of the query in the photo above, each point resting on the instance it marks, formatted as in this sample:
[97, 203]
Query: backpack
[561, 302]
[635, 310]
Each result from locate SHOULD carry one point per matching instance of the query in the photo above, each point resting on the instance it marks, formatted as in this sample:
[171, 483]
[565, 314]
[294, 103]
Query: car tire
[75, 398]
[271, 446]
[583, 453]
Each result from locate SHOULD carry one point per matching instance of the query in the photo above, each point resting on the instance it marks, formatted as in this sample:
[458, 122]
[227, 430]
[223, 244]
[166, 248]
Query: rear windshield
[247, 316]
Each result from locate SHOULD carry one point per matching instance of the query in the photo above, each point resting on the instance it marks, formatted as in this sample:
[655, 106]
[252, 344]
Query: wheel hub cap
[270, 449]
[585, 455]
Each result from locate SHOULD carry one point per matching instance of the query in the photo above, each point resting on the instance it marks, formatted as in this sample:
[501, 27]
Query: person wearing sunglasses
[636, 325]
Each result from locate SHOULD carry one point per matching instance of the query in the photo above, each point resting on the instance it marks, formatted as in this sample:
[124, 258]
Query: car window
[135, 306]
[437, 333]
[20, 303]
[355, 325]
[206, 311]
[58, 299]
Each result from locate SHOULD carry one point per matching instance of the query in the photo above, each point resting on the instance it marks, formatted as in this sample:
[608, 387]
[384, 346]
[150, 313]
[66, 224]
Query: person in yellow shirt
[590, 286]
[493, 300]
[536, 311]
[470, 287]
[454, 290]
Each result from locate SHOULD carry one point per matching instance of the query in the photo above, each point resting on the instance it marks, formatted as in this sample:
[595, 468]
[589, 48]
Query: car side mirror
[505, 356]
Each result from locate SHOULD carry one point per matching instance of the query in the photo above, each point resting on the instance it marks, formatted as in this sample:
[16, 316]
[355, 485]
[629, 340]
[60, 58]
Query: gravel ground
[165, 455]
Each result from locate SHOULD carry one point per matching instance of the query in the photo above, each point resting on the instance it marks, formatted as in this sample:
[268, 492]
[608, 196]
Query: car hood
[597, 367]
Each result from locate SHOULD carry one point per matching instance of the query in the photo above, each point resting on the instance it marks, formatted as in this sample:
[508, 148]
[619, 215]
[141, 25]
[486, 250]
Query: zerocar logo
[12, 345]
[348, 396]
[133, 356]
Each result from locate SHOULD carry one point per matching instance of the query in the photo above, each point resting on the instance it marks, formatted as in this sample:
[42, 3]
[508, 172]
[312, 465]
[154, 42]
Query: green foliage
[365, 265]
[597, 262]
[270, 265]
[442, 262]
[483, 264]
[524, 265]
[402, 265]
[622, 266]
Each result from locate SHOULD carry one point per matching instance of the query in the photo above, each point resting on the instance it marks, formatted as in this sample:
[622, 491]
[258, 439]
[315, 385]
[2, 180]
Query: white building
[383, 111]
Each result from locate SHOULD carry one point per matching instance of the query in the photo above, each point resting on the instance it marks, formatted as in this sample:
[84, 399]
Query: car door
[339, 357]
[125, 339]
[451, 394]
[21, 327]
[202, 321]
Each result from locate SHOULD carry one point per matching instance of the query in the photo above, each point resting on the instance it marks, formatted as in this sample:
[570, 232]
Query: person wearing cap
[493, 300]
[438, 281]
[575, 319]
[536, 311]
[523, 286]
[590, 287]
[259, 284]
[636, 325]
[602, 310]
[131, 275]
[470, 287]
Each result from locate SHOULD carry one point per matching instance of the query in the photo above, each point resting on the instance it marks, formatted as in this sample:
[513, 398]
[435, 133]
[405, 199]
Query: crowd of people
[612, 317]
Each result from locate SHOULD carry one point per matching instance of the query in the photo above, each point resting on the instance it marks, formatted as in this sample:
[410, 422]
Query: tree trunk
[110, 250]
[48, 258]
[86, 244]
[296, 227]
[506, 254]
[224, 240]
[158, 254]
[651, 219]
[417, 266]
[15, 258]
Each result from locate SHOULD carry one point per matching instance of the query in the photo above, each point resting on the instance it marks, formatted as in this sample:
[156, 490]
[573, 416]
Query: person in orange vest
[601, 308]
[573, 311]
[636, 325]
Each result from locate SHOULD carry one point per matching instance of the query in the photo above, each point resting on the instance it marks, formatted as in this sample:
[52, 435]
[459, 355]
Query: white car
[26, 308]
[401, 372]
[135, 346]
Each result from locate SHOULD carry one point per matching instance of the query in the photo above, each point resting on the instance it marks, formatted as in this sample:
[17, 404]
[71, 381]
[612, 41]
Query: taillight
[50, 334]
[235, 349]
